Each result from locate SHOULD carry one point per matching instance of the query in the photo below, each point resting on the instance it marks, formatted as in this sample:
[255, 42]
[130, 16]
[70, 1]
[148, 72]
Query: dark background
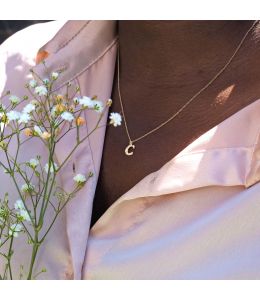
[8, 27]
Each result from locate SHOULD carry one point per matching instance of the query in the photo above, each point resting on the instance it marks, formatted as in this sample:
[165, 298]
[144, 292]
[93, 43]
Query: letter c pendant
[130, 146]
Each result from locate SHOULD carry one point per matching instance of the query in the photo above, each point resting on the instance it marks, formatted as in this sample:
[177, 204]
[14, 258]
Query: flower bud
[54, 75]
[28, 132]
[109, 102]
[80, 121]
[59, 98]
[45, 135]
[60, 108]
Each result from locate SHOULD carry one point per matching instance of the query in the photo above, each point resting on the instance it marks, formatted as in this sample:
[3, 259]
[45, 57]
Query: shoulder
[32, 37]
[18, 52]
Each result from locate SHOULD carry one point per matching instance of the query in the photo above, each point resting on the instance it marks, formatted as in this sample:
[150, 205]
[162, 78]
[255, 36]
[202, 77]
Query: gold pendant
[127, 152]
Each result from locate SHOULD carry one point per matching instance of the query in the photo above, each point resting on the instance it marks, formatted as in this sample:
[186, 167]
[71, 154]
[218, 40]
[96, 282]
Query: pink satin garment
[195, 218]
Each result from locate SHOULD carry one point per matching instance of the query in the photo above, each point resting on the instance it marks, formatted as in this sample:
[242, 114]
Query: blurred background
[8, 27]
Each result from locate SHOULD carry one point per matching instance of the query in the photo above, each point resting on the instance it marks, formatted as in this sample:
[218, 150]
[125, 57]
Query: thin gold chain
[131, 141]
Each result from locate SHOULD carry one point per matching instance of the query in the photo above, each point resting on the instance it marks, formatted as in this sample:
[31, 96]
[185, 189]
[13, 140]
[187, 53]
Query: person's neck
[168, 52]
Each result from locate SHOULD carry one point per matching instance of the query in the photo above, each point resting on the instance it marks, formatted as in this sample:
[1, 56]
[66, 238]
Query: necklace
[129, 150]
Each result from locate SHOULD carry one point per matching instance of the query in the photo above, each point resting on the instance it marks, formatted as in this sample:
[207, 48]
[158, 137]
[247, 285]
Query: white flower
[94, 104]
[115, 119]
[14, 99]
[98, 105]
[33, 83]
[29, 108]
[22, 210]
[37, 129]
[41, 90]
[24, 214]
[46, 168]
[46, 81]
[34, 162]
[26, 188]
[35, 103]
[54, 75]
[67, 116]
[19, 204]
[14, 229]
[13, 115]
[79, 178]
[24, 118]
[86, 102]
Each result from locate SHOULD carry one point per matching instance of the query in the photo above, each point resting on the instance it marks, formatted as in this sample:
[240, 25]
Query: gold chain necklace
[129, 149]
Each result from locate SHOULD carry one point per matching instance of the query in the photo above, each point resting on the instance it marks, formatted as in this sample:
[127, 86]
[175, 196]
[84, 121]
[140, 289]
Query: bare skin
[162, 65]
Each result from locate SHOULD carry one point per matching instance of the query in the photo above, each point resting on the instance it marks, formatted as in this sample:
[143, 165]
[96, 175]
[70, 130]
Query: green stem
[36, 246]
[49, 195]
[50, 164]
[8, 257]
[58, 212]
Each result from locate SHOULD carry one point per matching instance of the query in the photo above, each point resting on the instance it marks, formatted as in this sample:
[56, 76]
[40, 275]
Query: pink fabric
[196, 217]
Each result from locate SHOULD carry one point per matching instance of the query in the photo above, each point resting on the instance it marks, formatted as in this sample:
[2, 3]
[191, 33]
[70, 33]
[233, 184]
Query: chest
[119, 173]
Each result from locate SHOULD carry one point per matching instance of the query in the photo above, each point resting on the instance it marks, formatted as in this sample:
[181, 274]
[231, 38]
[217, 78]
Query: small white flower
[86, 102]
[46, 81]
[93, 104]
[115, 119]
[24, 118]
[29, 108]
[34, 162]
[19, 204]
[22, 210]
[41, 90]
[37, 129]
[67, 116]
[24, 214]
[46, 168]
[13, 115]
[14, 229]
[33, 83]
[79, 178]
[98, 105]
[54, 75]
[14, 99]
[35, 103]
[26, 188]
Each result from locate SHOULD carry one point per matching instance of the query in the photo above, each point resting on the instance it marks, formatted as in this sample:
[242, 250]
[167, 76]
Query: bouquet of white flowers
[48, 117]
